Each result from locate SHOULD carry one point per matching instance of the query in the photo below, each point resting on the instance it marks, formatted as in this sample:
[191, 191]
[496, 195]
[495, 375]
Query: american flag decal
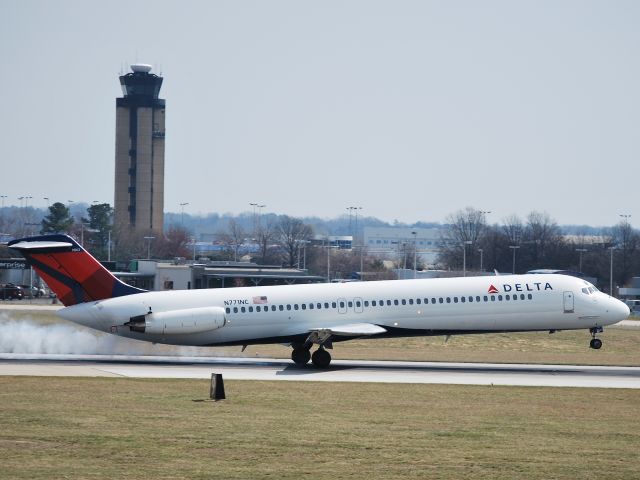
[260, 300]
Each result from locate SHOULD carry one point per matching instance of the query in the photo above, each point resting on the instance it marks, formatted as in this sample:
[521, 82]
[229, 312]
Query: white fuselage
[283, 314]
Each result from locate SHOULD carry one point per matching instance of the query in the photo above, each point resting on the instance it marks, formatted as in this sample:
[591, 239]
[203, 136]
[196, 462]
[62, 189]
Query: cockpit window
[592, 289]
[585, 290]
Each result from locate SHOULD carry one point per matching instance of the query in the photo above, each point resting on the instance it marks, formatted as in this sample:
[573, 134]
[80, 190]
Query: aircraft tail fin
[71, 272]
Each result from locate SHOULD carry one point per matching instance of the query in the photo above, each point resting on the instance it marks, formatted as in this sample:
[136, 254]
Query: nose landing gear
[595, 343]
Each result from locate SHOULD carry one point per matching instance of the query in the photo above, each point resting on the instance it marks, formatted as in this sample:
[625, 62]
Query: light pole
[47, 199]
[149, 238]
[256, 219]
[2, 197]
[611, 249]
[182, 205]
[481, 252]
[514, 248]
[350, 209]
[464, 256]
[580, 251]
[328, 246]
[415, 255]
[356, 229]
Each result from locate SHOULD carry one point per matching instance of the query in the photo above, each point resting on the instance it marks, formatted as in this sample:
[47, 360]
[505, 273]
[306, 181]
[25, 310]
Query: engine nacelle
[188, 320]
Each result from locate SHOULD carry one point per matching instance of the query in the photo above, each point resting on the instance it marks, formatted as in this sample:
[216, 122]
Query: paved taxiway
[340, 370]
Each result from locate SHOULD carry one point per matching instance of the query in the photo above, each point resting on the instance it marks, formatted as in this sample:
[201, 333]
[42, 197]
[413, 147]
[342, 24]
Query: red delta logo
[493, 289]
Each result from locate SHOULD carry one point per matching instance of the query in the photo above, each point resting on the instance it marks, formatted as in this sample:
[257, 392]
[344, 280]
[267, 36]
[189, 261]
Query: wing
[323, 335]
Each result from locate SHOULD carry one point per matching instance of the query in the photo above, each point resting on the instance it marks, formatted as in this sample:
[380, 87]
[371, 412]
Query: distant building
[139, 175]
[397, 240]
[153, 275]
[341, 242]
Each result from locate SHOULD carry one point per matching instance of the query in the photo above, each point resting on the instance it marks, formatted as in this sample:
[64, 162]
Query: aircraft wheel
[595, 343]
[300, 356]
[321, 358]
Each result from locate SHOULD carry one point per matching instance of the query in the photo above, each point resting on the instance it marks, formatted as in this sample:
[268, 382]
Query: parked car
[10, 292]
[32, 291]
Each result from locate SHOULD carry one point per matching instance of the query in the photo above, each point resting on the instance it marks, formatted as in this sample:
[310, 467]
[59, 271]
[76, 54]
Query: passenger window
[250, 309]
[433, 300]
[258, 309]
[522, 296]
[350, 304]
[334, 305]
[411, 301]
[326, 304]
[507, 297]
[530, 297]
[228, 310]
[478, 298]
[235, 309]
[463, 299]
[242, 309]
[373, 303]
[389, 302]
[486, 299]
[288, 307]
[295, 306]
[304, 306]
[404, 302]
[441, 300]
[395, 302]
[455, 299]
[418, 301]
[358, 304]
[470, 298]
[493, 298]
[366, 303]
[500, 298]
[342, 305]
[448, 299]
[281, 307]
[311, 306]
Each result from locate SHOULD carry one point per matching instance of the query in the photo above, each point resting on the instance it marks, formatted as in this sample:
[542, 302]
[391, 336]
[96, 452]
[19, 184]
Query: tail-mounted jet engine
[190, 320]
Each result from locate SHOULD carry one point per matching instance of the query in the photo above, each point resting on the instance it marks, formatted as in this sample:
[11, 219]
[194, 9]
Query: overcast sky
[409, 109]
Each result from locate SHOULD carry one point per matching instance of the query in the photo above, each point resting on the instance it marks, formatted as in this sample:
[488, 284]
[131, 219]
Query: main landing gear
[301, 355]
[595, 343]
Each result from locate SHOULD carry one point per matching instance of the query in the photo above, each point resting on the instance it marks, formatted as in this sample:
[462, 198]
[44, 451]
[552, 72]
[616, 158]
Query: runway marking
[340, 370]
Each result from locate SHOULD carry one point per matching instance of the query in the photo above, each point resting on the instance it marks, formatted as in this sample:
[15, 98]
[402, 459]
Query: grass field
[97, 428]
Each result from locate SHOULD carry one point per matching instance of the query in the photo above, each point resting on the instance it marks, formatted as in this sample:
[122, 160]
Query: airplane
[315, 314]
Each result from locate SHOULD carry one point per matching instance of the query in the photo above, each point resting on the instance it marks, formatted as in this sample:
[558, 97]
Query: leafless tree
[291, 232]
[233, 237]
[265, 236]
[464, 229]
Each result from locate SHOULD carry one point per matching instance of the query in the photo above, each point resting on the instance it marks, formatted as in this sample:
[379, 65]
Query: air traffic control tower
[139, 178]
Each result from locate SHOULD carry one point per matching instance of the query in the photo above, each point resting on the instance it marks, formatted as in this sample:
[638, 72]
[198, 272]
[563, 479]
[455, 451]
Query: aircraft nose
[617, 310]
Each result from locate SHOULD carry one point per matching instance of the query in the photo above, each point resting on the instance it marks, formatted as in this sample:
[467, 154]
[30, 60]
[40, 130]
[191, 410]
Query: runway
[340, 371]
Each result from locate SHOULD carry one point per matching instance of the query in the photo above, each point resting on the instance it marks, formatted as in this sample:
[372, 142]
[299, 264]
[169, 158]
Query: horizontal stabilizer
[27, 245]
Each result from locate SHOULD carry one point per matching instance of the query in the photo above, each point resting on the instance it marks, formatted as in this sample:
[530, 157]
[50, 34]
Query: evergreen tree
[99, 222]
[59, 219]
